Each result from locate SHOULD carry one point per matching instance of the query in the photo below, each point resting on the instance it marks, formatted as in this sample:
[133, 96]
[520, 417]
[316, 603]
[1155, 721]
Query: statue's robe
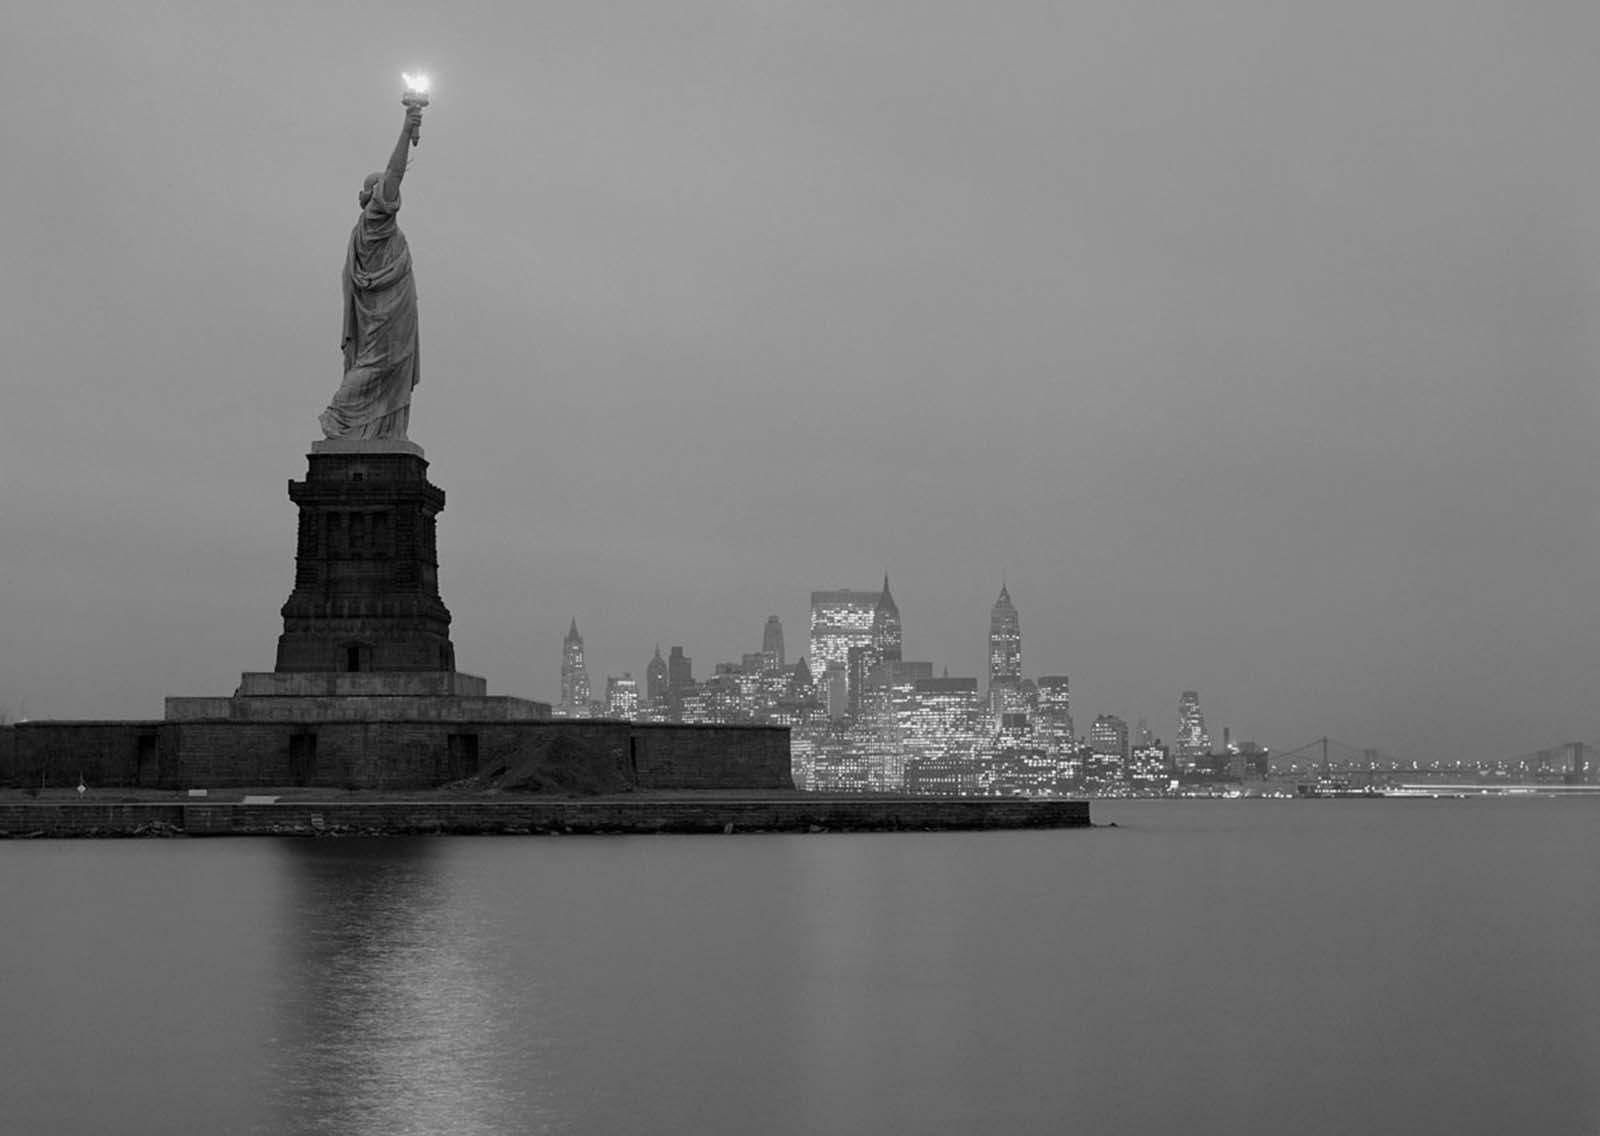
[380, 328]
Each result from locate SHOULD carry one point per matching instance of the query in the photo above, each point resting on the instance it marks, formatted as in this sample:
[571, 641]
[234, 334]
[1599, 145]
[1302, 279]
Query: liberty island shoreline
[299, 813]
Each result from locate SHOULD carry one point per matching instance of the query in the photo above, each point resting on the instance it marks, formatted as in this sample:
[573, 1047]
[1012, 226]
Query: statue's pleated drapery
[380, 328]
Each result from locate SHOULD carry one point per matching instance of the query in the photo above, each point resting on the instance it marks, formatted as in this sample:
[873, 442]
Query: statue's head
[366, 189]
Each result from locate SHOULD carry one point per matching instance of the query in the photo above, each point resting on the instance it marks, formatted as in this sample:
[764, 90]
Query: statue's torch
[416, 96]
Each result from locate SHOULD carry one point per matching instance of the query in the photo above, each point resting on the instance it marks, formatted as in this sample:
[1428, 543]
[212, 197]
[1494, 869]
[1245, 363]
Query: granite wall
[382, 754]
[710, 757]
[55, 754]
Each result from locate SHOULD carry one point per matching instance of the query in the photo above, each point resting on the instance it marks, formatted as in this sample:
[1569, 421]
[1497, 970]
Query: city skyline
[846, 622]
[1253, 350]
[863, 718]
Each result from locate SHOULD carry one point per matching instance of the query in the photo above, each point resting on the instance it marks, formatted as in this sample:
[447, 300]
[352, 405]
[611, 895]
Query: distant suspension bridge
[1572, 762]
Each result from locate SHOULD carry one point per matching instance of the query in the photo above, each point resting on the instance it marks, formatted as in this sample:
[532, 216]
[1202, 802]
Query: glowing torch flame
[416, 96]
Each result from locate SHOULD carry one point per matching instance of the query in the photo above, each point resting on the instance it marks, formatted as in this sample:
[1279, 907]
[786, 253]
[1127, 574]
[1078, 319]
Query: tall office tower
[680, 681]
[622, 697]
[942, 728]
[886, 634]
[888, 697]
[772, 644]
[680, 669]
[655, 682]
[944, 717]
[840, 619]
[574, 675]
[1053, 719]
[1194, 744]
[1005, 643]
[856, 668]
[1108, 749]
[798, 684]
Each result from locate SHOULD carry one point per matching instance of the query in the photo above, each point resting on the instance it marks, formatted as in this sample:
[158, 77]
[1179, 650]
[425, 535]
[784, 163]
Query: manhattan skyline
[843, 621]
[1255, 350]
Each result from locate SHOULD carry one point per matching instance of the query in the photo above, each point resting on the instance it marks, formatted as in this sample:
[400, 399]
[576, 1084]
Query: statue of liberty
[380, 310]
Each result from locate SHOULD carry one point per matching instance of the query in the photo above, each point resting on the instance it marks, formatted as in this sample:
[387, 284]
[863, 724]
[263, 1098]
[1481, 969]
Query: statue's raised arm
[396, 169]
[380, 310]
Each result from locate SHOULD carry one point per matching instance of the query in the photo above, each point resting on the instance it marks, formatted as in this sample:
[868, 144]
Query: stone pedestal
[366, 584]
[366, 693]
[375, 684]
[311, 697]
[366, 639]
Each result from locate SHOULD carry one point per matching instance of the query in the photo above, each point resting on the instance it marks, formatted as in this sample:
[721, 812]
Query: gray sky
[1253, 343]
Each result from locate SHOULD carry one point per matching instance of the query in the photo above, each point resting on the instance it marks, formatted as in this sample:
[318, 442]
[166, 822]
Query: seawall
[791, 812]
[386, 754]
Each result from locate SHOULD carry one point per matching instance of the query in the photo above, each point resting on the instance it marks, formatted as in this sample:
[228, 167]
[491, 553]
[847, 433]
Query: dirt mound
[560, 766]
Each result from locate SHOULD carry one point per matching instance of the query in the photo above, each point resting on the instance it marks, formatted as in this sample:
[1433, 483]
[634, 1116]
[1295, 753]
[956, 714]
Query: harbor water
[1203, 966]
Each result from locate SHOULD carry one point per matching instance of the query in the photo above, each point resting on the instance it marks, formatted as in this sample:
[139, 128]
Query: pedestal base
[366, 446]
[382, 696]
[367, 684]
[366, 583]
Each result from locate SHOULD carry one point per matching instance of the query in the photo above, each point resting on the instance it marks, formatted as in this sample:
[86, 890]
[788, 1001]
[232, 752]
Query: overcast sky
[1254, 344]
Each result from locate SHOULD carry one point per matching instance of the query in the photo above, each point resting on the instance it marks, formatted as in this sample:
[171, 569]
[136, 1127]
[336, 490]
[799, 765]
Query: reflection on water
[1309, 967]
[387, 1012]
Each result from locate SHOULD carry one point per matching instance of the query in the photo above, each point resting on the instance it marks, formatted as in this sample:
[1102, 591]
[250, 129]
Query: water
[1311, 967]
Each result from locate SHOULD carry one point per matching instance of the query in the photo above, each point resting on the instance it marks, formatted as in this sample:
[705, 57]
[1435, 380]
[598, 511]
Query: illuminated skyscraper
[857, 666]
[840, 619]
[942, 728]
[883, 645]
[1194, 744]
[944, 718]
[886, 633]
[622, 697]
[798, 685]
[883, 715]
[574, 675]
[1005, 657]
[1148, 764]
[655, 682]
[838, 766]
[1053, 719]
[728, 696]
[1005, 643]
[1108, 749]
[772, 645]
